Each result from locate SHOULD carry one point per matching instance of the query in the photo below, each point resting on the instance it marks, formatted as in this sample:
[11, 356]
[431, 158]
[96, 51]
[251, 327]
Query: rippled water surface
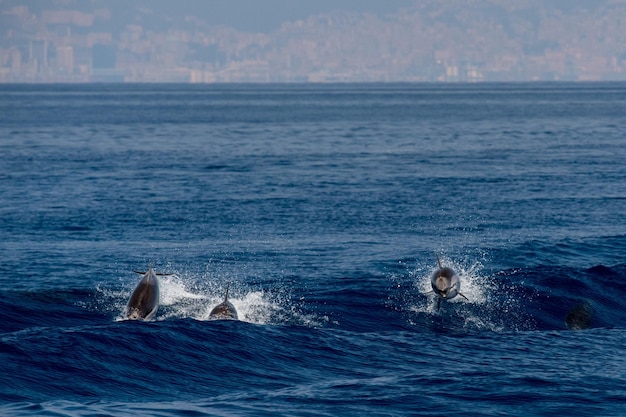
[323, 208]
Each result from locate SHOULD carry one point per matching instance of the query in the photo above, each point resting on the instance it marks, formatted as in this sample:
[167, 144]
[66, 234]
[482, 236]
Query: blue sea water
[323, 207]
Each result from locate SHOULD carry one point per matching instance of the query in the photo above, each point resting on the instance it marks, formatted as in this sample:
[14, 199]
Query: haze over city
[303, 41]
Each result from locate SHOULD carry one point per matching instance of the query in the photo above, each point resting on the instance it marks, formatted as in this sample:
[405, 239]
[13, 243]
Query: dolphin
[579, 317]
[224, 310]
[144, 302]
[446, 283]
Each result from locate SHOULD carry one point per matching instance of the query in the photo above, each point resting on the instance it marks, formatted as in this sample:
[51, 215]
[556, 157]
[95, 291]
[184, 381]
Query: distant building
[103, 64]
[38, 54]
[65, 59]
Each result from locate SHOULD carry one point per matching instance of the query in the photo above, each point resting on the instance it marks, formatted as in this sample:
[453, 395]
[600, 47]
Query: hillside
[196, 41]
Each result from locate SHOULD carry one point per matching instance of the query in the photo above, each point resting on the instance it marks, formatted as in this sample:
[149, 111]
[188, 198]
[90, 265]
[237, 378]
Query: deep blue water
[322, 207]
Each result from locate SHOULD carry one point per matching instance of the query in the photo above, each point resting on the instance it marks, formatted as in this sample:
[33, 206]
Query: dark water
[322, 207]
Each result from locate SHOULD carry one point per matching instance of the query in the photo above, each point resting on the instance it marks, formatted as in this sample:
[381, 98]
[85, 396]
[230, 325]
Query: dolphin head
[445, 283]
[441, 285]
[133, 314]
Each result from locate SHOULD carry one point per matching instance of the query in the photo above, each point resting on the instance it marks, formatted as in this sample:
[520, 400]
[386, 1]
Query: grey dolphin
[224, 310]
[445, 283]
[579, 317]
[144, 302]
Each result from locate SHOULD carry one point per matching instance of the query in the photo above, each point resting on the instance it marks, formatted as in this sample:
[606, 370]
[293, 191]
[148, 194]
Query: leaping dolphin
[446, 283]
[144, 302]
[224, 310]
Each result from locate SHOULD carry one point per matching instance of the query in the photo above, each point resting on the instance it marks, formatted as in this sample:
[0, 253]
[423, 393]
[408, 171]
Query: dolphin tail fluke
[438, 260]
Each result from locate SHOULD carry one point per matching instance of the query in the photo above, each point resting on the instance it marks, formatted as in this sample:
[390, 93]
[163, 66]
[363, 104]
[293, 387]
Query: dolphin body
[224, 311]
[445, 283]
[144, 302]
[579, 317]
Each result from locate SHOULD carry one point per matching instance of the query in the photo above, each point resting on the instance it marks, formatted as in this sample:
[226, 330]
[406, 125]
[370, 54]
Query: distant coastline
[430, 41]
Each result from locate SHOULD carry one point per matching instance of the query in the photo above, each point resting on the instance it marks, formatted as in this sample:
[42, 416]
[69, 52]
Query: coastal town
[433, 41]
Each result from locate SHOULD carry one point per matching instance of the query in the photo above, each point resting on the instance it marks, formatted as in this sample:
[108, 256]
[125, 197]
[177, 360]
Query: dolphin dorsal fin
[438, 260]
[226, 296]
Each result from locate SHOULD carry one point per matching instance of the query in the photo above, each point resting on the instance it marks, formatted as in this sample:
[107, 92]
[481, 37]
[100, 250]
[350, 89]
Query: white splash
[172, 290]
[490, 305]
[476, 287]
[253, 307]
[183, 297]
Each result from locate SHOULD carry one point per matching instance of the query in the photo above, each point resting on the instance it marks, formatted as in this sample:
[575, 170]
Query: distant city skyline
[303, 41]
